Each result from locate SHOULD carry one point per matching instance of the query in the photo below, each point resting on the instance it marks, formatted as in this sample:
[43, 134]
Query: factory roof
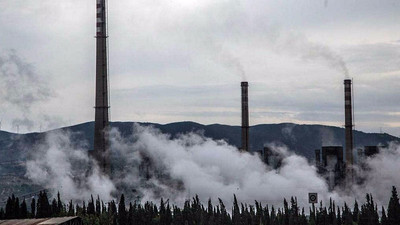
[44, 221]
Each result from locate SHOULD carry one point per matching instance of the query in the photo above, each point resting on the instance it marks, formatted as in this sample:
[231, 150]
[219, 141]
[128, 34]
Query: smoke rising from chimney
[233, 63]
[300, 46]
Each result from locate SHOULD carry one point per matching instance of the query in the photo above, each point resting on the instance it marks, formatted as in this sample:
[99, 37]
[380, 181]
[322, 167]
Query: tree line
[194, 212]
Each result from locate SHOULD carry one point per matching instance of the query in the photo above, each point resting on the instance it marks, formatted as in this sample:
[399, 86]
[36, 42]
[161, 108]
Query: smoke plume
[59, 165]
[152, 165]
[177, 169]
[21, 87]
[232, 62]
[380, 173]
[300, 46]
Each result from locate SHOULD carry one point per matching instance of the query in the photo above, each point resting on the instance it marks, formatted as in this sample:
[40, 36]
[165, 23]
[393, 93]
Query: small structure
[271, 158]
[371, 150]
[73, 220]
[367, 152]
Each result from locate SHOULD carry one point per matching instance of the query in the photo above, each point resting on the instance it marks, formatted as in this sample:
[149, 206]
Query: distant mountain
[302, 139]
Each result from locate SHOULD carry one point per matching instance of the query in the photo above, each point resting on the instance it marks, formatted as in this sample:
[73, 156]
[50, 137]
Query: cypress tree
[384, 219]
[16, 209]
[90, 207]
[46, 205]
[122, 215]
[339, 218]
[23, 210]
[33, 208]
[98, 205]
[236, 212]
[54, 208]
[356, 212]
[60, 205]
[71, 211]
[347, 217]
[2, 213]
[394, 208]
[9, 209]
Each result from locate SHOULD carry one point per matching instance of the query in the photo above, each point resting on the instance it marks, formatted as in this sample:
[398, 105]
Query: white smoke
[381, 172]
[59, 165]
[21, 88]
[184, 166]
[178, 168]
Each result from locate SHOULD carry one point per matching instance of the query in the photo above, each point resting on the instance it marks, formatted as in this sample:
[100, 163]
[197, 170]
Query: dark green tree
[71, 211]
[368, 214]
[2, 216]
[394, 208]
[90, 207]
[384, 219]
[54, 208]
[33, 208]
[23, 214]
[122, 214]
[60, 205]
[356, 212]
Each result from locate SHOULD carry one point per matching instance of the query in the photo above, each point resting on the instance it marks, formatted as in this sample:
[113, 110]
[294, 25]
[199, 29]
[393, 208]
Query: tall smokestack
[245, 116]
[101, 144]
[348, 111]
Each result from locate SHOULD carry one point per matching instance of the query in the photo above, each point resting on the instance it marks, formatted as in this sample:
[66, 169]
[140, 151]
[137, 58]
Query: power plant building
[271, 158]
[331, 165]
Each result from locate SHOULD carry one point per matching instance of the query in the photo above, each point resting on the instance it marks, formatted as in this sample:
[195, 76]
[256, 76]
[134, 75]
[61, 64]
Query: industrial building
[331, 165]
[269, 157]
[367, 152]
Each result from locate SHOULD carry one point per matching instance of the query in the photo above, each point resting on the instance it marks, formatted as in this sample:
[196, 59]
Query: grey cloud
[163, 43]
[21, 87]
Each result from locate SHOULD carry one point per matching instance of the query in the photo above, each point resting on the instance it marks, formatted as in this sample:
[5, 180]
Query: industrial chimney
[245, 116]
[101, 142]
[348, 111]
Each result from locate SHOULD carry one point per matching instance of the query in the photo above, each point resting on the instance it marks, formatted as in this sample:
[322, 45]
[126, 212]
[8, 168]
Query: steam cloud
[193, 164]
[21, 87]
[58, 164]
[381, 173]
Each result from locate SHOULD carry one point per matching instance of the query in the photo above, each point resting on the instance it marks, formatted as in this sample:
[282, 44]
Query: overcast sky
[180, 60]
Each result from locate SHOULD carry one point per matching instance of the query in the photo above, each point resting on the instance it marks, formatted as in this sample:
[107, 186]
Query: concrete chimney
[245, 116]
[348, 111]
[101, 125]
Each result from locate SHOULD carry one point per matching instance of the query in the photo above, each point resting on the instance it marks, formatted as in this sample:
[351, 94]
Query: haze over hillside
[302, 139]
